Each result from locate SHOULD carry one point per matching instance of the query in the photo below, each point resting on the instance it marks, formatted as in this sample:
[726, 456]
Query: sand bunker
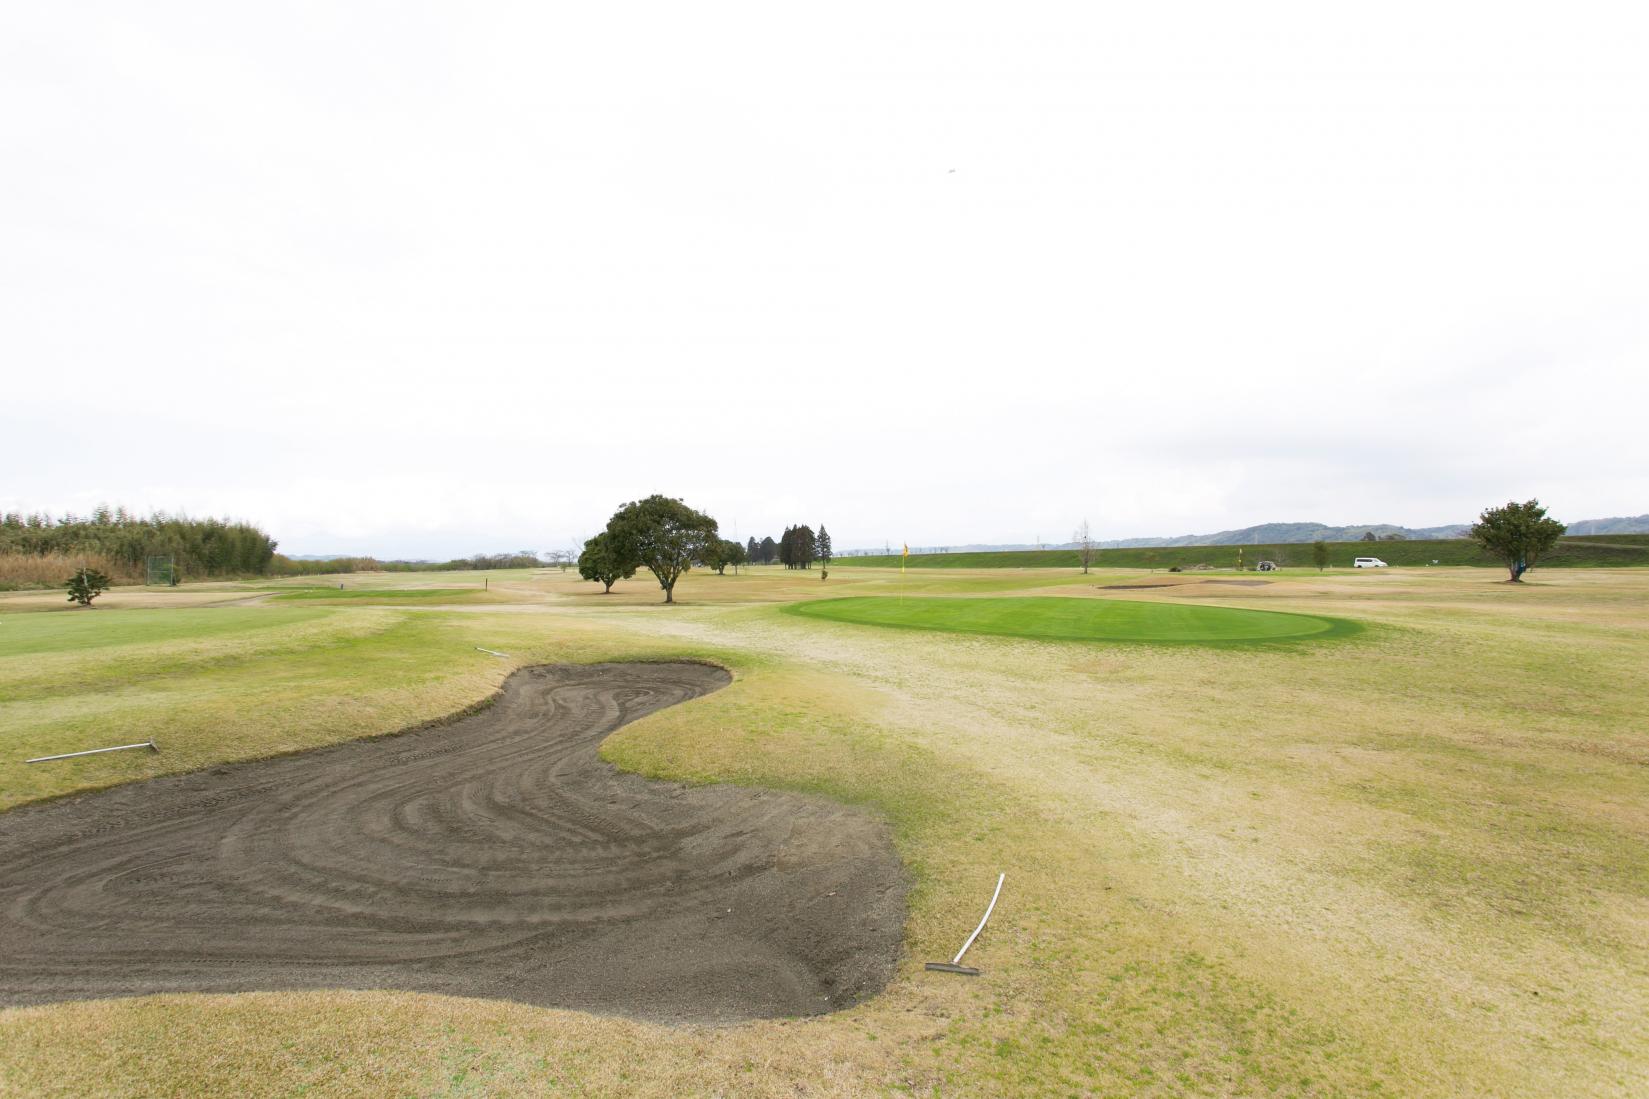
[496, 856]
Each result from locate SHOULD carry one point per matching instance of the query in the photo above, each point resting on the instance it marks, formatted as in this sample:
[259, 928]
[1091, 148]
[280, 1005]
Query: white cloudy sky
[432, 279]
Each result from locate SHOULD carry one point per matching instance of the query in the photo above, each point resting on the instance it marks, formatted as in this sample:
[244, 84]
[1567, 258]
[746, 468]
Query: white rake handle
[1000, 878]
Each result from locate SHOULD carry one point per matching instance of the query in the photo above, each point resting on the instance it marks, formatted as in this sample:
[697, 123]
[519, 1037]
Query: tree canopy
[663, 534]
[201, 547]
[798, 548]
[1518, 534]
[602, 562]
[722, 553]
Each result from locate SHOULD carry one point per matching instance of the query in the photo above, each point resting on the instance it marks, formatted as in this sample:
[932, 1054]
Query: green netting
[160, 570]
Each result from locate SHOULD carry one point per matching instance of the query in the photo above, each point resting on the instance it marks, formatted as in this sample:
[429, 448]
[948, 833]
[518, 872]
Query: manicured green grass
[85, 630]
[1052, 618]
[1585, 551]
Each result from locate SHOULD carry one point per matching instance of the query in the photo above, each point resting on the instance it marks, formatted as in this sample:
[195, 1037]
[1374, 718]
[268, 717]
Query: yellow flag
[902, 558]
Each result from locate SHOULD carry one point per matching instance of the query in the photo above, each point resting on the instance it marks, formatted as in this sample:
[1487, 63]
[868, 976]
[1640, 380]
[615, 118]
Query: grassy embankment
[1589, 551]
[1408, 862]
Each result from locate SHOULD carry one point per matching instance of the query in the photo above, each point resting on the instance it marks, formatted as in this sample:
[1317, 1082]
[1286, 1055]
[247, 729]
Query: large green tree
[663, 534]
[1518, 534]
[602, 562]
[822, 546]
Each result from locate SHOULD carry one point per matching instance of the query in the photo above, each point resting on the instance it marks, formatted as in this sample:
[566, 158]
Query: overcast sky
[424, 280]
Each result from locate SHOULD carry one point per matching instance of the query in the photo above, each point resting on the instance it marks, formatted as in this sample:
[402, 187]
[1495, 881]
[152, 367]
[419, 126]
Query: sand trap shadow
[496, 857]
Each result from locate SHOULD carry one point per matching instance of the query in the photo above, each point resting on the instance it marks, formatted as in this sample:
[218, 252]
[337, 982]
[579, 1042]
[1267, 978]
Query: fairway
[386, 596]
[1238, 862]
[1050, 618]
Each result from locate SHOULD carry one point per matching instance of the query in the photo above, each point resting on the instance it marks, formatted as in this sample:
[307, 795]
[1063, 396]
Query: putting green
[1056, 618]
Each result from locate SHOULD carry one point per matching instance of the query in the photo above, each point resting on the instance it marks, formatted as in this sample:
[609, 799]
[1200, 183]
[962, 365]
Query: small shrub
[86, 585]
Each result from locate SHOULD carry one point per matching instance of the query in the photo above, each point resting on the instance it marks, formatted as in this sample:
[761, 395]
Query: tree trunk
[608, 589]
[670, 594]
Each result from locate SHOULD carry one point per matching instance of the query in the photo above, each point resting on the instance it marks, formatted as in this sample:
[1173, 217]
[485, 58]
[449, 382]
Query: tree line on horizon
[797, 548]
[121, 541]
[282, 565]
[37, 548]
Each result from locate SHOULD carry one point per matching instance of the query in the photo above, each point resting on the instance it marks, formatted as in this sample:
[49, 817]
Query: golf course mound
[1059, 618]
[496, 856]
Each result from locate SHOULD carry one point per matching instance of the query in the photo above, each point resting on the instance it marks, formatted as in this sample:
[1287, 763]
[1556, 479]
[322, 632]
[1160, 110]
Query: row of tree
[282, 565]
[800, 547]
[661, 534]
[198, 547]
[666, 537]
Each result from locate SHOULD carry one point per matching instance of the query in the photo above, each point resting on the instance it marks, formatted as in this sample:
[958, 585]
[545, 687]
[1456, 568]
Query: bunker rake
[149, 744]
[955, 964]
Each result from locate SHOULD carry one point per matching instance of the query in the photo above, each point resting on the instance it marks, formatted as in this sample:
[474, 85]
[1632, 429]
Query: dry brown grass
[27, 570]
[1409, 863]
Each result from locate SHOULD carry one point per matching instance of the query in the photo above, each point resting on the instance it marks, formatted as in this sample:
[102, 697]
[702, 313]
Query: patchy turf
[1409, 865]
[389, 596]
[1053, 618]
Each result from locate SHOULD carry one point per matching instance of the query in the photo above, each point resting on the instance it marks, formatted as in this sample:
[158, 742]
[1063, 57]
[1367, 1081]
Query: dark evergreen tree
[86, 585]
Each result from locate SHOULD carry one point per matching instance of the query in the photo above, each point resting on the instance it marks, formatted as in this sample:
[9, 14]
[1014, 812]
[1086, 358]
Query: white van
[1368, 563]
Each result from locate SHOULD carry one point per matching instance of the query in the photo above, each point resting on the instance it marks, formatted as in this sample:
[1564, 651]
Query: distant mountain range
[1265, 534]
[1271, 534]
[1620, 524]
[1279, 533]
